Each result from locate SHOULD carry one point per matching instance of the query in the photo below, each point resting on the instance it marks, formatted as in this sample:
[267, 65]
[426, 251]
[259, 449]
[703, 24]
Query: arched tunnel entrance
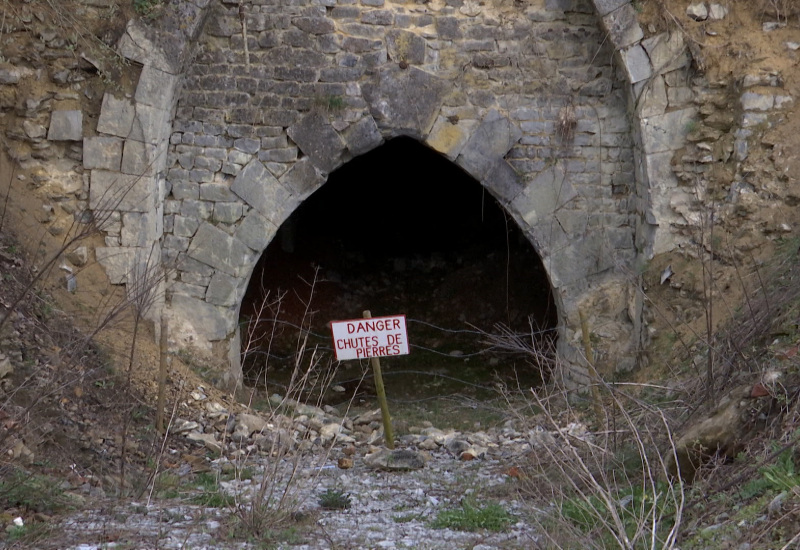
[399, 230]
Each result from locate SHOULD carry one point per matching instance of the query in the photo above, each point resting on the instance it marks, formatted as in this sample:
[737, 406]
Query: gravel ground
[388, 510]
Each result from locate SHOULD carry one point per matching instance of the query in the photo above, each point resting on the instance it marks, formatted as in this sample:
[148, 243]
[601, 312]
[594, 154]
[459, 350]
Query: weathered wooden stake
[388, 434]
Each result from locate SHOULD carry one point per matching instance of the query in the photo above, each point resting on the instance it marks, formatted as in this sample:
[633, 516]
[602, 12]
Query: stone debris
[717, 12]
[770, 26]
[395, 493]
[6, 368]
[698, 12]
[398, 460]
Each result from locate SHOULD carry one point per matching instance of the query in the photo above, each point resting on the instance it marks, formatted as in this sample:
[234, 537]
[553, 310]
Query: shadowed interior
[399, 230]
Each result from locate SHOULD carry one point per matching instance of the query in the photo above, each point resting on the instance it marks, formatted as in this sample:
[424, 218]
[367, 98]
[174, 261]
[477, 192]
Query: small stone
[397, 460]
[79, 256]
[457, 446]
[197, 396]
[209, 441]
[775, 505]
[6, 367]
[181, 426]
[33, 130]
[428, 444]
[249, 424]
[698, 11]
[368, 417]
[717, 12]
[329, 432]
[770, 26]
[467, 455]
[71, 282]
[794, 46]
[345, 463]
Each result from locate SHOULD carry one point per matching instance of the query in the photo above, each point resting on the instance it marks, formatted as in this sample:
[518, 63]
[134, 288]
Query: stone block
[142, 159]
[186, 289]
[237, 157]
[140, 229]
[315, 136]
[378, 17]
[195, 279]
[104, 153]
[182, 189]
[198, 317]
[11, 74]
[494, 137]
[667, 52]
[150, 47]
[173, 242]
[544, 195]
[406, 100]
[183, 226]
[150, 125]
[623, 26]
[66, 126]
[660, 174]
[185, 264]
[287, 154]
[116, 262]
[215, 248]
[115, 191]
[259, 189]
[156, 88]
[666, 132]
[223, 290]
[256, 231]
[201, 176]
[247, 145]
[216, 192]
[116, 116]
[206, 163]
[449, 136]
[362, 136]
[503, 180]
[314, 25]
[227, 212]
[636, 63]
[405, 46]
[752, 101]
[679, 96]
[604, 7]
[653, 99]
[200, 210]
[302, 178]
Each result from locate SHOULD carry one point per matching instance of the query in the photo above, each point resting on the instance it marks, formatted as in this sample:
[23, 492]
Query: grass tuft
[471, 517]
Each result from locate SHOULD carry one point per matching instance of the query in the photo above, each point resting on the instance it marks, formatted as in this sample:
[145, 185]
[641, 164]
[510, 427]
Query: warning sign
[374, 337]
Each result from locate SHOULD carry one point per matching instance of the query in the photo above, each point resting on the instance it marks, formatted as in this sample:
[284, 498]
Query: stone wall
[560, 108]
[484, 85]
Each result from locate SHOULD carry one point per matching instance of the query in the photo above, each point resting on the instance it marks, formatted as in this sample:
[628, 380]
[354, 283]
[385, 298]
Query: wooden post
[388, 434]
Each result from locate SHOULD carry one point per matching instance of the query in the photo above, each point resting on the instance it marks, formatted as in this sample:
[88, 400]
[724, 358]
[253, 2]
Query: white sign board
[374, 337]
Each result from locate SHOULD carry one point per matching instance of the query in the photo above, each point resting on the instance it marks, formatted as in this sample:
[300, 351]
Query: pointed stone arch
[212, 231]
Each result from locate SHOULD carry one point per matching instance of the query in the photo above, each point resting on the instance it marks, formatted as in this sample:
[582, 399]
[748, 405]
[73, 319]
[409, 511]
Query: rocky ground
[393, 497]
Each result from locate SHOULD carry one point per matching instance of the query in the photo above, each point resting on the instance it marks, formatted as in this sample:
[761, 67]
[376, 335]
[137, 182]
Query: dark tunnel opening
[399, 230]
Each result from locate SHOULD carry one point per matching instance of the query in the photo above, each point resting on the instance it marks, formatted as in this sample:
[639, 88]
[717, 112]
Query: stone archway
[254, 129]
[400, 229]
